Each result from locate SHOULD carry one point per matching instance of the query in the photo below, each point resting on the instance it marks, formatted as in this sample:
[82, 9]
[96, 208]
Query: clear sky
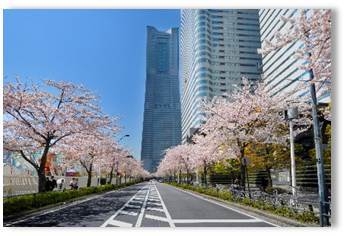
[102, 49]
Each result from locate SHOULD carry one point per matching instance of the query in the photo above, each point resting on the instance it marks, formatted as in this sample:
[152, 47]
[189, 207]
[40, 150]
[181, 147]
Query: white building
[281, 68]
[217, 48]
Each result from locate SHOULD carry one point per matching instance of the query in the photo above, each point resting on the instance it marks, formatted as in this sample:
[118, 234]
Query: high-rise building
[281, 68]
[217, 49]
[161, 124]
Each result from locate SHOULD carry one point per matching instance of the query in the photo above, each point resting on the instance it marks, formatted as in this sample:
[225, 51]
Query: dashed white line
[155, 209]
[110, 219]
[132, 206]
[131, 213]
[119, 223]
[140, 217]
[159, 218]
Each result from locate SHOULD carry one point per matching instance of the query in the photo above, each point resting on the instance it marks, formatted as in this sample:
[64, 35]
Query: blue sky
[101, 49]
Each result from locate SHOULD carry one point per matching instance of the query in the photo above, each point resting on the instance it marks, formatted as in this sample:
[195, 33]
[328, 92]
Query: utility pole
[292, 113]
[324, 218]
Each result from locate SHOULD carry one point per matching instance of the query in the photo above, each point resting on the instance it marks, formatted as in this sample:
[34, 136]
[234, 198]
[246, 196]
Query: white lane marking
[159, 218]
[130, 213]
[155, 209]
[154, 198]
[155, 204]
[119, 223]
[135, 200]
[133, 206]
[224, 206]
[217, 220]
[118, 211]
[140, 217]
[169, 218]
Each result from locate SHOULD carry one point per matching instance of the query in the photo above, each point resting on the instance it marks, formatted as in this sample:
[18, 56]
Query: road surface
[148, 204]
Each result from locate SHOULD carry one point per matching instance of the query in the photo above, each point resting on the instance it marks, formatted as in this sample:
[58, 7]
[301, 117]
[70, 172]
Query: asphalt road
[149, 204]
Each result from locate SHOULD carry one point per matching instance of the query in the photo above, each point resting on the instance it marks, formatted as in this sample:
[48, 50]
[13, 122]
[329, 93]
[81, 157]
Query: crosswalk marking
[159, 218]
[119, 223]
[140, 217]
[133, 206]
[155, 209]
[131, 213]
[155, 204]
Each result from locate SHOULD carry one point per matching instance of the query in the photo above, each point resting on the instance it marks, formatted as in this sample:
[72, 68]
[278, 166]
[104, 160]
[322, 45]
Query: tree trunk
[179, 177]
[41, 171]
[89, 174]
[267, 158]
[111, 175]
[242, 167]
[270, 181]
[41, 181]
[205, 174]
[187, 176]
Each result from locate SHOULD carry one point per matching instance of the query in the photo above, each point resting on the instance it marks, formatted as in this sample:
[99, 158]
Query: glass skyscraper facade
[162, 115]
[217, 49]
[281, 68]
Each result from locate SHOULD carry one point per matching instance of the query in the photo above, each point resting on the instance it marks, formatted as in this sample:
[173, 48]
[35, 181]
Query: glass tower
[281, 68]
[162, 116]
[217, 49]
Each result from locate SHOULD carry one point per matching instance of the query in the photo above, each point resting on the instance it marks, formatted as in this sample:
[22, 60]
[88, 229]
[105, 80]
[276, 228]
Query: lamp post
[292, 113]
[117, 162]
[126, 135]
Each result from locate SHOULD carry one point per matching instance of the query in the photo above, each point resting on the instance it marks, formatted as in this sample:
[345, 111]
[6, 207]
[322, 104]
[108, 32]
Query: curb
[272, 218]
[56, 206]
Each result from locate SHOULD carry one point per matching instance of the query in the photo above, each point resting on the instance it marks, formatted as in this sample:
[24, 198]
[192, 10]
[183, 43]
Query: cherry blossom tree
[89, 150]
[206, 152]
[112, 164]
[38, 117]
[249, 115]
[178, 159]
[131, 168]
[312, 28]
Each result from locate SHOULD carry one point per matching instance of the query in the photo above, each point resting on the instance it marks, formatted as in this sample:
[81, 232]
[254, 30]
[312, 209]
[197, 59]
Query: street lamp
[292, 113]
[126, 135]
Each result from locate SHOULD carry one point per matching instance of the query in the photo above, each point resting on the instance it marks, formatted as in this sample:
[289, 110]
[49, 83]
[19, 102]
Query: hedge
[19, 204]
[304, 217]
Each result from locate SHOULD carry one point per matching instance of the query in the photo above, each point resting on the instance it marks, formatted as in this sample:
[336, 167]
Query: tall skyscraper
[281, 68]
[217, 49]
[162, 116]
